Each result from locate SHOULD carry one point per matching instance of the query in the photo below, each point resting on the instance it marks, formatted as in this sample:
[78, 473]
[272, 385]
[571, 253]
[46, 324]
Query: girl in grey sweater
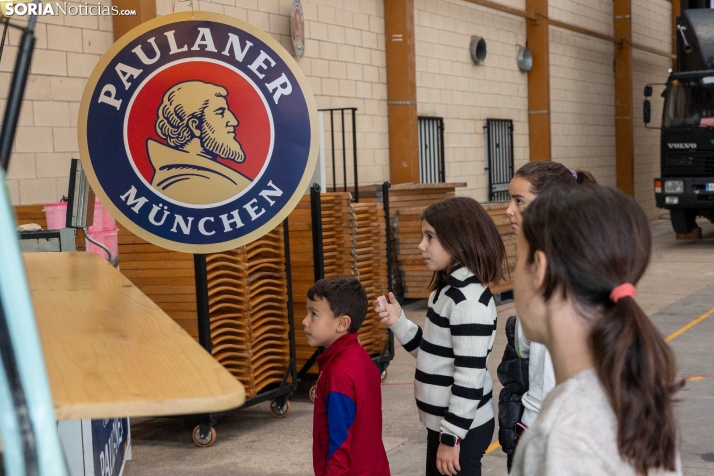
[581, 251]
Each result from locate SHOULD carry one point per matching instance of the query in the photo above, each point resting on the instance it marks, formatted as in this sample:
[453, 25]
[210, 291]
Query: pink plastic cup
[56, 214]
[108, 238]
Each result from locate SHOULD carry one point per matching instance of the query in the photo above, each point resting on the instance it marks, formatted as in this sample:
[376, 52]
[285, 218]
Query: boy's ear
[343, 322]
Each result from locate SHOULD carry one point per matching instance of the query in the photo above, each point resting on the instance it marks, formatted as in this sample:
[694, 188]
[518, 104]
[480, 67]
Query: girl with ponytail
[581, 252]
[526, 371]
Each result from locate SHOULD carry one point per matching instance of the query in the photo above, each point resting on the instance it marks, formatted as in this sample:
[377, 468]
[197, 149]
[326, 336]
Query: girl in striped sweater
[461, 245]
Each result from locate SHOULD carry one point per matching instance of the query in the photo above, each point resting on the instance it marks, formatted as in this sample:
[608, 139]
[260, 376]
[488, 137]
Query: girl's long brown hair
[545, 174]
[470, 236]
[596, 238]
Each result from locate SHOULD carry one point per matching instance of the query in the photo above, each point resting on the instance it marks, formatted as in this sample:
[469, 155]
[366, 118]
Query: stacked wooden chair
[247, 298]
[337, 214]
[371, 269]
[497, 211]
[166, 276]
[354, 244]
[338, 255]
[26, 214]
[415, 277]
[406, 196]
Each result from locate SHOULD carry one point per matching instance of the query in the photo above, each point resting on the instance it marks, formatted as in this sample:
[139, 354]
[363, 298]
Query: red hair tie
[621, 291]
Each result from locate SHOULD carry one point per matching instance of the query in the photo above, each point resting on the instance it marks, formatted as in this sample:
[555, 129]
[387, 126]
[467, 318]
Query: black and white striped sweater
[452, 386]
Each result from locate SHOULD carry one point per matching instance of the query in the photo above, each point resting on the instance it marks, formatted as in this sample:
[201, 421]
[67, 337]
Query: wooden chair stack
[414, 275]
[26, 214]
[167, 277]
[349, 233]
[247, 297]
[371, 269]
[337, 217]
[406, 196]
[302, 263]
[338, 230]
[407, 235]
[497, 211]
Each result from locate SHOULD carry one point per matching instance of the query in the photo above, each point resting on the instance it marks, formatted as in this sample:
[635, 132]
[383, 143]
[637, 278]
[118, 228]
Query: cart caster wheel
[384, 374]
[203, 442]
[313, 393]
[279, 409]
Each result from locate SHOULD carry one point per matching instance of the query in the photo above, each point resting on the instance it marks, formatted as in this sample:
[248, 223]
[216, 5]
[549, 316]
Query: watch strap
[448, 439]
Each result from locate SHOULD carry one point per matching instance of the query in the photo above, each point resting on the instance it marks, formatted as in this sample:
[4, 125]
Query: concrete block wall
[582, 88]
[66, 50]
[582, 103]
[451, 86]
[344, 61]
[650, 26]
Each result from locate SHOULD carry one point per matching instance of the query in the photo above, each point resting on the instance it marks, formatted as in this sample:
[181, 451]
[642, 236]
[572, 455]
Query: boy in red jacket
[347, 424]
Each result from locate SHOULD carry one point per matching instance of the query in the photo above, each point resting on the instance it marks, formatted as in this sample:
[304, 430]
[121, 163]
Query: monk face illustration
[216, 130]
[198, 126]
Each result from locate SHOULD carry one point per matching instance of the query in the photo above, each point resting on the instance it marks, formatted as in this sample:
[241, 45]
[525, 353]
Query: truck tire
[683, 220]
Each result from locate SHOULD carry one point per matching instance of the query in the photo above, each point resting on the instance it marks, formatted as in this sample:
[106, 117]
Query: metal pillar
[538, 41]
[401, 91]
[624, 134]
[676, 11]
[316, 215]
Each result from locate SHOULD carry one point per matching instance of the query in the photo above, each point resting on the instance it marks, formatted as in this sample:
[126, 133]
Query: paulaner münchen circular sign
[198, 132]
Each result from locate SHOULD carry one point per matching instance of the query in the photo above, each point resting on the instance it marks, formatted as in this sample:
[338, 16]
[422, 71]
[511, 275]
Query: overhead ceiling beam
[543, 18]
[504, 9]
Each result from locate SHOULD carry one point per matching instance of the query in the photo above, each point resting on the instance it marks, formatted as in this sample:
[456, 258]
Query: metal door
[499, 162]
[431, 149]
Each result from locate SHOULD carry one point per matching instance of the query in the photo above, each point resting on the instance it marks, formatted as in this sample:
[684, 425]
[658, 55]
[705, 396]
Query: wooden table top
[111, 352]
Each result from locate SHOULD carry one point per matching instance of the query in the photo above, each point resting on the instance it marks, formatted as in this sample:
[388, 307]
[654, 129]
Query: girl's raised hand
[389, 312]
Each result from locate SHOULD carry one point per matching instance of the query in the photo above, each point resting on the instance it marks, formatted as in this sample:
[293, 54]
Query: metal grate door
[431, 149]
[499, 165]
[346, 139]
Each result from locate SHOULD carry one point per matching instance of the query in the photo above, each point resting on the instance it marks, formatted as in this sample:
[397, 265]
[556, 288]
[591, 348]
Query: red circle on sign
[253, 131]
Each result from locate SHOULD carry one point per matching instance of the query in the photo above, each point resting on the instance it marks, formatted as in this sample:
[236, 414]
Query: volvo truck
[685, 186]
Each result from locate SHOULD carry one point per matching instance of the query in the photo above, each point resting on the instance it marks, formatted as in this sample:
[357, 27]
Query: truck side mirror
[648, 91]
[646, 111]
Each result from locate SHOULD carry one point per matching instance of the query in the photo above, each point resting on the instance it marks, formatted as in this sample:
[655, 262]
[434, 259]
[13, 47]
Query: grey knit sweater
[575, 434]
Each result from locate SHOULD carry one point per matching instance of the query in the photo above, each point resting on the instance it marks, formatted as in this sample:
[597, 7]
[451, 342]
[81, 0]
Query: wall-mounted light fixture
[524, 58]
[478, 49]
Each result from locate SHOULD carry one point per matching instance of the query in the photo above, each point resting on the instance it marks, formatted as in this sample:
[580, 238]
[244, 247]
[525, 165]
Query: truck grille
[689, 165]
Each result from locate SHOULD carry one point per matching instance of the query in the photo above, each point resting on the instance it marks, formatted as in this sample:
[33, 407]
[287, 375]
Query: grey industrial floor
[678, 288]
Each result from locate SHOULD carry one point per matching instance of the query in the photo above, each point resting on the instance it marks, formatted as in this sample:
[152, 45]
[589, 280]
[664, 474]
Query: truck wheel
[683, 220]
